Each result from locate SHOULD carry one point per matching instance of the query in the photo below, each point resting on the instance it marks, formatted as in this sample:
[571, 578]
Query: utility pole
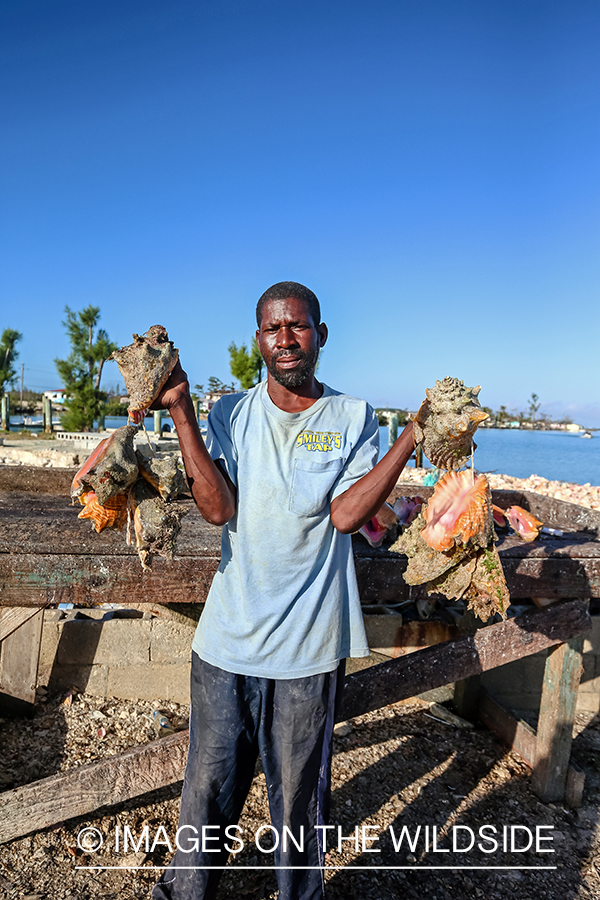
[22, 373]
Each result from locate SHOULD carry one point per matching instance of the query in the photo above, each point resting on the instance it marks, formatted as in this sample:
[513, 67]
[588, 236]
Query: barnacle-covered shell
[446, 422]
[146, 365]
[112, 515]
[487, 594]
[156, 523]
[459, 512]
[111, 469]
[163, 472]
[523, 523]
[424, 563]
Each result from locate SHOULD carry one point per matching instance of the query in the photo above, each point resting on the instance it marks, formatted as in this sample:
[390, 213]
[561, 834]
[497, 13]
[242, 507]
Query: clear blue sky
[429, 168]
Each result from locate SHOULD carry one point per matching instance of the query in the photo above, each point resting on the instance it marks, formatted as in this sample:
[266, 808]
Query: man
[289, 471]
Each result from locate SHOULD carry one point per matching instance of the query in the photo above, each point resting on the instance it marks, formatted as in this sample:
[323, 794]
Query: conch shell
[163, 473]
[156, 523]
[450, 546]
[112, 515]
[146, 365]
[523, 523]
[111, 469]
[446, 422]
[459, 512]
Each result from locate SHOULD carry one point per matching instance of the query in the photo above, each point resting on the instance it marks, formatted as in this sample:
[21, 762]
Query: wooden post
[47, 414]
[5, 411]
[19, 665]
[392, 430]
[555, 724]
[157, 418]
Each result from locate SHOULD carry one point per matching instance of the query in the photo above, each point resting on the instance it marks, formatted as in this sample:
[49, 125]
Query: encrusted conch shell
[164, 474]
[156, 523]
[111, 469]
[459, 512]
[146, 365]
[446, 422]
[112, 515]
[450, 546]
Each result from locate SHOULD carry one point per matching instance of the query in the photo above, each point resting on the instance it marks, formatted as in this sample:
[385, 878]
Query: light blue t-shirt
[284, 602]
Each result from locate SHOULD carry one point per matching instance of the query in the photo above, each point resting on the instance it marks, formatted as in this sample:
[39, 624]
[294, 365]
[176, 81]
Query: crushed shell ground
[397, 766]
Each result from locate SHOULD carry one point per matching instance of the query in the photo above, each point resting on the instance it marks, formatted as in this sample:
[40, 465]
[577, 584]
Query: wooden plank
[441, 664]
[41, 580]
[19, 662]
[521, 737]
[86, 788]
[13, 617]
[555, 723]
[515, 733]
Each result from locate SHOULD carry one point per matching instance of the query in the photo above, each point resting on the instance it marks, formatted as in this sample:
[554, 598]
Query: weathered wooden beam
[555, 723]
[84, 789]
[515, 733]
[441, 664]
[13, 617]
[19, 665]
[521, 737]
[42, 580]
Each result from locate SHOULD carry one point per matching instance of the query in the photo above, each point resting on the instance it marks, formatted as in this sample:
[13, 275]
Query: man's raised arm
[361, 501]
[212, 489]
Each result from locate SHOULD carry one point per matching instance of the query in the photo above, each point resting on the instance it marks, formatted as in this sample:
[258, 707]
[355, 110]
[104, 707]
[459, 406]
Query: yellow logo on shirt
[319, 440]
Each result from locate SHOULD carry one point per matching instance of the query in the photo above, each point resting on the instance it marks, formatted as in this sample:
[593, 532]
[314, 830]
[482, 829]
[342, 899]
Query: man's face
[289, 341]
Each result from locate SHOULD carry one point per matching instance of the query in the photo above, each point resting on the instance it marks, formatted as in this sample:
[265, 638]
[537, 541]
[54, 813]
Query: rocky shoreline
[587, 495]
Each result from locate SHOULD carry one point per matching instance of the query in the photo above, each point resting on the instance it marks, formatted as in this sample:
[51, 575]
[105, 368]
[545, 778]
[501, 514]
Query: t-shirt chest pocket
[311, 483]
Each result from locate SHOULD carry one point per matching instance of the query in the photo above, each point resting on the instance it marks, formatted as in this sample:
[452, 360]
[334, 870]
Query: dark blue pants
[234, 718]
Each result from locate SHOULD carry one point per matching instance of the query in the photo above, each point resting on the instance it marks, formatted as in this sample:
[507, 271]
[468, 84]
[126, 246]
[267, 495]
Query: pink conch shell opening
[523, 523]
[459, 512]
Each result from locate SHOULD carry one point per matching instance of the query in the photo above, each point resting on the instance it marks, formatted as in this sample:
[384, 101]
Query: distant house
[211, 397]
[57, 396]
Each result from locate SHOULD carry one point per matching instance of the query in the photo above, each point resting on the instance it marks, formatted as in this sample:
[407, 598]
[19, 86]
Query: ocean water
[555, 455]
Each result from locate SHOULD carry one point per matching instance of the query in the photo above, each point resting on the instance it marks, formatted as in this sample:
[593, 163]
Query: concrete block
[589, 663]
[591, 643]
[49, 642]
[112, 642]
[171, 641]
[87, 679]
[157, 682]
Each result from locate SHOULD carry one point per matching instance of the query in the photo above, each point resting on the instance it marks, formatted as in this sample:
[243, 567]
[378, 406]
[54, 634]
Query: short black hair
[284, 289]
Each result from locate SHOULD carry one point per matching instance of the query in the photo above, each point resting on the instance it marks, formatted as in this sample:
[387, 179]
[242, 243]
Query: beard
[295, 377]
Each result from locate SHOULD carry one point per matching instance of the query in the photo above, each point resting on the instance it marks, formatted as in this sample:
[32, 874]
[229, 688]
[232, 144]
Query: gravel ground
[395, 767]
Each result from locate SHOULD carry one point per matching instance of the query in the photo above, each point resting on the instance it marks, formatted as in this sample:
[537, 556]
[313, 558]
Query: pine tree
[81, 371]
[246, 367]
[8, 355]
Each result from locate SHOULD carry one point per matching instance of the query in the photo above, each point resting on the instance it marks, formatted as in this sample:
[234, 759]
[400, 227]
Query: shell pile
[146, 365]
[446, 422]
[450, 545]
[118, 485]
